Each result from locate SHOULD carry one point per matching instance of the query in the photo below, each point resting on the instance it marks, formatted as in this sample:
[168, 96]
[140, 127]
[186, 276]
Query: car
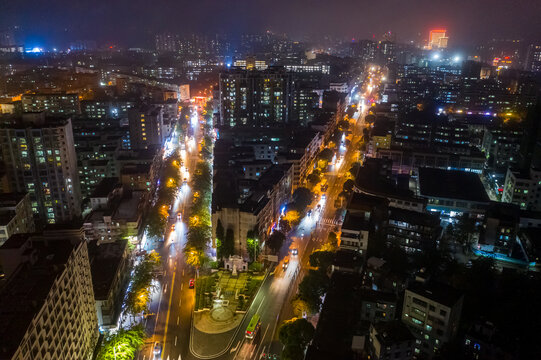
[185, 181]
[173, 227]
[285, 264]
[309, 213]
[294, 251]
[191, 283]
[157, 350]
[179, 216]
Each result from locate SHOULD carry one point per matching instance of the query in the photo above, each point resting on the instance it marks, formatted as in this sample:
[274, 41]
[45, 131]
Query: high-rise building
[54, 104]
[533, 58]
[47, 306]
[437, 39]
[146, 126]
[255, 98]
[166, 42]
[40, 159]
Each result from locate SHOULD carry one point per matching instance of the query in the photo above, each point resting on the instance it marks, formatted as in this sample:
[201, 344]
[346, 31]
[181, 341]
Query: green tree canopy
[229, 243]
[325, 154]
[348, 185]
[276, 240]
[302, 197]
[322, 259]
[123, 345]
[296, 332]
[312, 287]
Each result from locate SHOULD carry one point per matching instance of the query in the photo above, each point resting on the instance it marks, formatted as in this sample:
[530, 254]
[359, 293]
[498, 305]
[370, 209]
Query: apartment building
[40, 159]
[432, 312]
[47, 306]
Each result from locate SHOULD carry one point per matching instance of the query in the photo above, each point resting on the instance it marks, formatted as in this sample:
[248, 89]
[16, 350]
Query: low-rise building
[121, 218]
[378, 306]
[53, 103]
[136, 177]
[390, 340]
[453, 192]
[523, 188]
[354, 233]
[15, 215]
[407, 161]
[109, 264]
[412, 231]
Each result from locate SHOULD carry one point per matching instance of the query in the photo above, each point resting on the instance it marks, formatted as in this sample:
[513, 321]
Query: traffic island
[221, 301]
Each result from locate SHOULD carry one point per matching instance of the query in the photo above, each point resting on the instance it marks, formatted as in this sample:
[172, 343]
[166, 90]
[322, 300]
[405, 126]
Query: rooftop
[11, 200]
[354, 222]
[436, 291]
[105, 260]
[105, 187]
[392, 332]
[451, 184]
[414, 217]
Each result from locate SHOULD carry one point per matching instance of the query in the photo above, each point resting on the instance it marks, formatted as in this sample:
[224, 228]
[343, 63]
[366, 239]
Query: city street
[170, 321]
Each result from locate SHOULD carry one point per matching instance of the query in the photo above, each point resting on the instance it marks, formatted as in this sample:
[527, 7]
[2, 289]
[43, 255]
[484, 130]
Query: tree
[194, 257]
[312, 287]
[300, 307]
[322, 259]
[343, 125]
[325, 154]
[332, 239]
[370, 118]
[292, 352]
[302, 197]
[229, 244]
[296, 332]
[348, 185]
[354, 169]
[292, 217]
[220, 237]
[155, 223]
[285, 226]
[276, 240]
[313, 179]
[252, 244]
[138, 297]
[123, 345]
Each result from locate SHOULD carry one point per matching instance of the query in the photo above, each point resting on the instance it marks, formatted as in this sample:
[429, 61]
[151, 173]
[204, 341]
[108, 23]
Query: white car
[157, 350]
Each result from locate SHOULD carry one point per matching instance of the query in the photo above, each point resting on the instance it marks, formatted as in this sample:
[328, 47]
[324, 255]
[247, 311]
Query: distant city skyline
[133, 23]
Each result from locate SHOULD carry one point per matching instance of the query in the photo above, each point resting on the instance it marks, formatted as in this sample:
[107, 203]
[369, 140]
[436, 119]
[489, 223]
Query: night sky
[133, 22]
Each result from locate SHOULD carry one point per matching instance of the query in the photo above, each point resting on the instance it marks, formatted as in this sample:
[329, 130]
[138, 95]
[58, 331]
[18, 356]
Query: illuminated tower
[437, 39]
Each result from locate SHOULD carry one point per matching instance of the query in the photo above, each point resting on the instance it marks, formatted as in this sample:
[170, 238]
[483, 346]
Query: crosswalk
[330, 221]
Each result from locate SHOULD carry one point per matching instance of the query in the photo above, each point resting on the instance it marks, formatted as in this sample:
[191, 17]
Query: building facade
[47, 306]
[432, 312]
[40, 159]
[146, 127]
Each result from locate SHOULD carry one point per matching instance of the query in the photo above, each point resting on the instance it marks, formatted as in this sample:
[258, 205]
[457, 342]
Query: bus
[253, 326]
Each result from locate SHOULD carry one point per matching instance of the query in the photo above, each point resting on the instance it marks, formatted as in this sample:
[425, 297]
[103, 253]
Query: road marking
[182, 272]
[175, 340]
[168, 310]
[235, 348]
[181, 286]
[178, 319]
[262, 339]
[179, 302]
